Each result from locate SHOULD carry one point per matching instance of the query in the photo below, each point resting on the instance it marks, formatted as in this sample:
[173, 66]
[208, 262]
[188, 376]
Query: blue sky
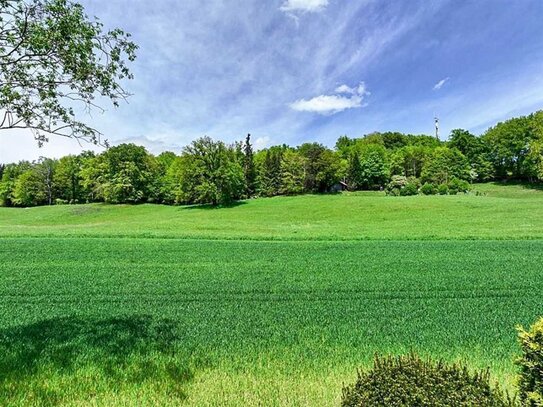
[290, 71]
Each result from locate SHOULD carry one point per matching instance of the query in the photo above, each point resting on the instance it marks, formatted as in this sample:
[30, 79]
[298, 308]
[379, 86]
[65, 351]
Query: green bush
[400, 185]
[530, 383]
[409, 189]
[457, 185]
[443, 189]
[411, 381]
[428, 189]
[396, 184]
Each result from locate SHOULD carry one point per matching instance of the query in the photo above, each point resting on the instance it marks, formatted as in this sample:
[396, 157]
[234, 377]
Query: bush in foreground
[530, 382]
[411, 381]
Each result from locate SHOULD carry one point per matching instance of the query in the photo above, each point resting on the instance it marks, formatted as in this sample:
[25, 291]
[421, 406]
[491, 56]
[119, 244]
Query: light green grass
[511, 212]
[246, 320]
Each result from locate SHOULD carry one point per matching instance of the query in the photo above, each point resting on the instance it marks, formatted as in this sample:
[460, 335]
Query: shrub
[411, 188]
[400, 185]
[428, 189]
[396, 184]
[457, 185]
[530, 382]
[443, 189]
[410, 381]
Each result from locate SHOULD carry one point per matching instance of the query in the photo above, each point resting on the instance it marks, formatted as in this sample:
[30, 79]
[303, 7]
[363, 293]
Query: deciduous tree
[53, 59]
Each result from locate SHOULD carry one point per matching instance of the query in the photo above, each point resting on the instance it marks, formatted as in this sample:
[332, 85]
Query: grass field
[271, 302]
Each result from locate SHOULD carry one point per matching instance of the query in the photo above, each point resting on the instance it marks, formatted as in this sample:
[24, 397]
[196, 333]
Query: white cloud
[331, 104]
[262, 142]
[344, 89]
[327, 104]
[440, 84]
[304, 5]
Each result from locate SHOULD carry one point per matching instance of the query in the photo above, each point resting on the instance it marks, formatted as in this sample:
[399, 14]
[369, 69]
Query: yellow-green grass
[91, 318]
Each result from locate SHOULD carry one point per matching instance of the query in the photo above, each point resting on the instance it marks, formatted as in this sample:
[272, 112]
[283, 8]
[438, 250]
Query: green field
[270, 302]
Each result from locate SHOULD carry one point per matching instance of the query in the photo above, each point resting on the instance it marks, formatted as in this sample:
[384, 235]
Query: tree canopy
[55, 60]
[213, 172]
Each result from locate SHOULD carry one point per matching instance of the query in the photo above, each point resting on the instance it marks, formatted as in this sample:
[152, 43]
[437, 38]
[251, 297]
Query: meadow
[269, 302]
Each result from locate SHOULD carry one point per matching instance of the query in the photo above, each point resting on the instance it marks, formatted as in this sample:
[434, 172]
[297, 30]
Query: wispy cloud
[346, 97]
[442, 82]
[304, 5]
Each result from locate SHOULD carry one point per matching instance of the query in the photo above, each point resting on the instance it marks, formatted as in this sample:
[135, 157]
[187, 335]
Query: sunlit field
[269, 302]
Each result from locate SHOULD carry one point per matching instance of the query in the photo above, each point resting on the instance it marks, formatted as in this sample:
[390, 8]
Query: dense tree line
[213, 172]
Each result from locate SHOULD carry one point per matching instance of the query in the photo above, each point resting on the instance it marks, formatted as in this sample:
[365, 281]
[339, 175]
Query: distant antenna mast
[436, 122]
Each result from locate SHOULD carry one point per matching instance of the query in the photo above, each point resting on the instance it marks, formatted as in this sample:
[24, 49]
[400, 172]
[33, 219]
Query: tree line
[212, 172]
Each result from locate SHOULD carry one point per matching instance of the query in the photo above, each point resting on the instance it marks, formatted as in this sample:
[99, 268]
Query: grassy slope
[252, 322]
[504, 213]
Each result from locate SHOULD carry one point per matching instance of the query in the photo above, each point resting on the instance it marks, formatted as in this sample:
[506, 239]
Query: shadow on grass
[214, 207]
[66, 358]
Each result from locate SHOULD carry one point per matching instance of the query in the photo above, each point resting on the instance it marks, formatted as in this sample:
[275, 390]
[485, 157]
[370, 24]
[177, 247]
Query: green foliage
[457, 185]
[292, 173]
[10, 174]
[35, 186]
[125, 174]
[52, 55]
[510, 144]
[402, 186]
[410, 381]
[428, 189]
[270, 172]
[28, 190]
[443, 189]
[67, 179]
[444, 164]
[394, 140]
[355, 175]
[344, 146]
[322, 167]
[530, 381]
[368, 167]
[212, 173]
[249, 169]
[409, 161]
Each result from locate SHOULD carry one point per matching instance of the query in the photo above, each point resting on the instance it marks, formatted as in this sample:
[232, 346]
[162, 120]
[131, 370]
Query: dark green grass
[164, 321]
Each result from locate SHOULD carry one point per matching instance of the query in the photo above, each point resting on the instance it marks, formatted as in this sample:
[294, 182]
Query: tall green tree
[445, 164]
[476, 151]
[35, 186]
[211, 173]
[67, 179]
[123, 174]
[322, 169]
[7, 183]
[509, 144]
[249, 169]
[270, 172]
[355, 175]
[52, 57]
[408, 161]
[374, 167]
[292, 173]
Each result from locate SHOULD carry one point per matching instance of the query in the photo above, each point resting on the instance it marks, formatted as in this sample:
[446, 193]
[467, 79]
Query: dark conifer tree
[249, 169]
